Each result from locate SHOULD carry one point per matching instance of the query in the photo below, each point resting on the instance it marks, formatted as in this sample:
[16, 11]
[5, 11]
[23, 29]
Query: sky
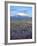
[21, 10]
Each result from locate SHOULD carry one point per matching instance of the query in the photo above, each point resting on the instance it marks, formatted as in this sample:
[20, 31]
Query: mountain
[14, 18]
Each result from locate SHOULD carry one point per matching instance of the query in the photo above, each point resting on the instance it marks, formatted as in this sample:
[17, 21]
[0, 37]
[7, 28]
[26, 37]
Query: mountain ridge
[20, 18]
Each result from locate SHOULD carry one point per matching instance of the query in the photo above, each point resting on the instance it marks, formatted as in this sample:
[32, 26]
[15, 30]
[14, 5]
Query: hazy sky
[14, 10]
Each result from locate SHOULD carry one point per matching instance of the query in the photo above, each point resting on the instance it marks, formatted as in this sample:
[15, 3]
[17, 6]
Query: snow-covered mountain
[20, 17]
